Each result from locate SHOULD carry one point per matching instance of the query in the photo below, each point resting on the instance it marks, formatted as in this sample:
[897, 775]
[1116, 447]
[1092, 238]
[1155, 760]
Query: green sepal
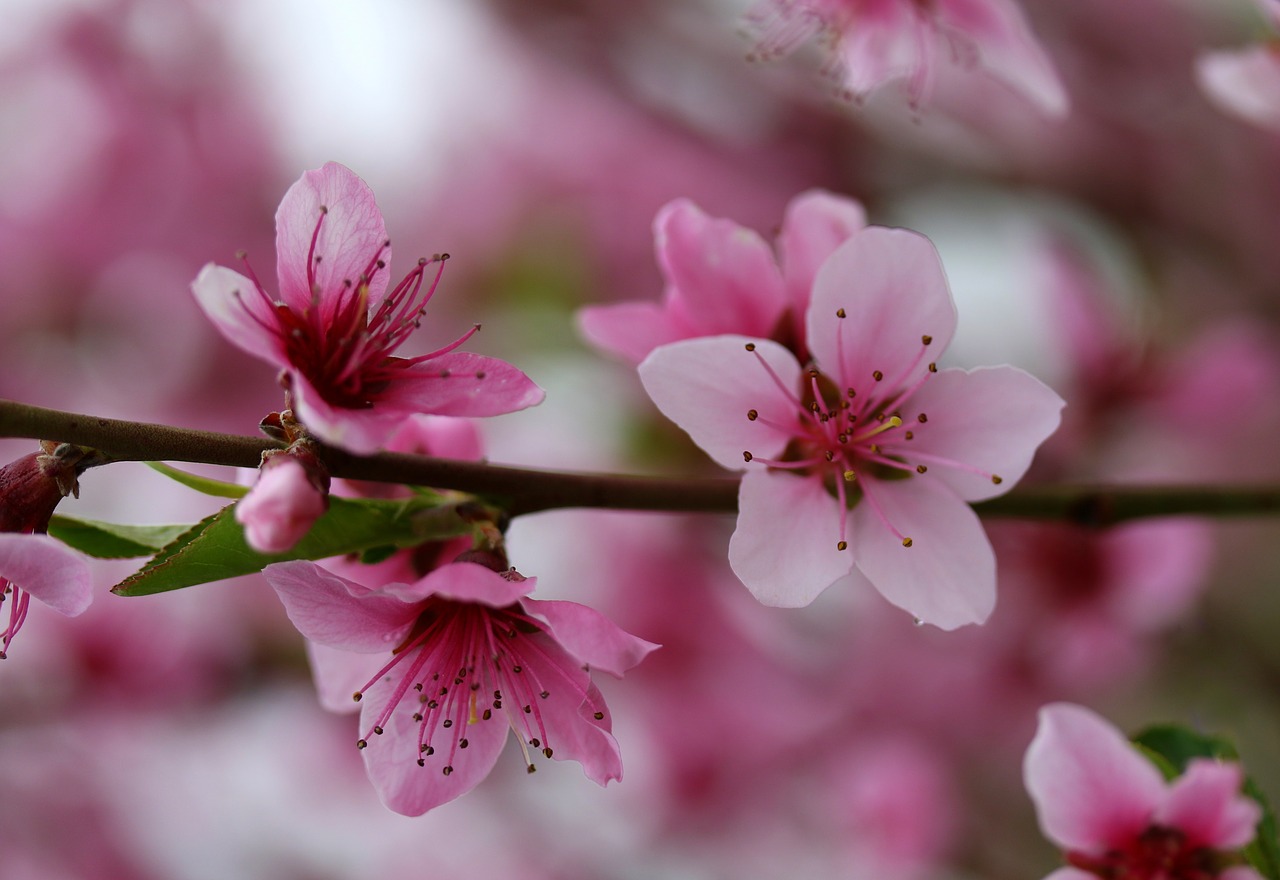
[104, 540]
[1171, 747]
[214, 548]
[205, 485]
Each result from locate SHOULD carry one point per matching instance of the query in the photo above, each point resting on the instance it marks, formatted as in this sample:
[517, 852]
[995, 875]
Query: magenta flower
[336, 327]
[33, 564]
[1109, 808]
[724, 278]
[444, 667]
[880, 41]
[868, 456]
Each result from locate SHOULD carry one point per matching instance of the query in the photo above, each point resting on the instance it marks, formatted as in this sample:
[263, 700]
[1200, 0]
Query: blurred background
[1126, 254]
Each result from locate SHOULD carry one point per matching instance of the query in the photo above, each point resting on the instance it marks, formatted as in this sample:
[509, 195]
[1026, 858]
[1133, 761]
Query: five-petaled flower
[869, 455]
[1109, 808]
[33, 564]
[444, 667]
[875, 42]
[336, 327]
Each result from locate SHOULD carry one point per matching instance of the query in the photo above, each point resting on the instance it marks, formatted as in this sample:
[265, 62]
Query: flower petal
[947, 577]
[462, 384]
[631, 330]
[48, 570]
[723, 276]
[707, 386]
[351, 234]
[891, 286]
[784, 547]
[990, 419]
[391, 759]
[338, 674]
[246, 320]
[1206, 805]
[464, 582]
[1093, 791]
[1244, 83]
[590, 636]
[336, 612]
[816, 223]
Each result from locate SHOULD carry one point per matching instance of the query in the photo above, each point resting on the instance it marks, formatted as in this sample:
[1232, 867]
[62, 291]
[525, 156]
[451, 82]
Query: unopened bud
[292, 492]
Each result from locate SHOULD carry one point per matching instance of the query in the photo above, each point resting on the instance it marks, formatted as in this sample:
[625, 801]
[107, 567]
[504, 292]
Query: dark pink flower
[870, 455]
[35, 564]
[336, 327]
[724, 278]
[445, 667]
[1109, 808]
[879, 41]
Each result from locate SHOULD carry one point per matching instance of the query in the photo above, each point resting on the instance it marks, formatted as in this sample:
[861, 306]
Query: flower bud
[292, 492]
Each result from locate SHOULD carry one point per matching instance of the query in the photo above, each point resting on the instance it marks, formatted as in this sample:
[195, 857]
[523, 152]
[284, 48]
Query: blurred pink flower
[724, 278]
[34, 564]
[1246, 82]
[471, 657]
[337, 327]
[1108, 806]
[879, 41]
[836, 455]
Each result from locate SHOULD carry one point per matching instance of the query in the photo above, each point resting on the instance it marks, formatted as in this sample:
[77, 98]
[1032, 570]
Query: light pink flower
[879, 41]
[1103, 802]
[1246, 82]
[452, 662]
[869, 457]
[724, 278]
[282, 505]
[336, 327]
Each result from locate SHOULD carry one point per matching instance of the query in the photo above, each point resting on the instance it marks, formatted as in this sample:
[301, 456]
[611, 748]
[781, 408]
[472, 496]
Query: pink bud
[283, 504]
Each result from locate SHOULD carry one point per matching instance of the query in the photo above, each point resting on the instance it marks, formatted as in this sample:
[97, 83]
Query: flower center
[1157, 854]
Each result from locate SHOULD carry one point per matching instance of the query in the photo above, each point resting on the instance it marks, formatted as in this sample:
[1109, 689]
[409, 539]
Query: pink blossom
[451, 663]
[872, 449]
[880, 41]
[336, 328]
[282, 505]
[724, 278]
[1246, 82]
[1103, 802]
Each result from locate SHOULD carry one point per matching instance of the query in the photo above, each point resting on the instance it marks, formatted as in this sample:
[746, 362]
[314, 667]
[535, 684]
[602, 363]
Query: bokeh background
[1127, 255]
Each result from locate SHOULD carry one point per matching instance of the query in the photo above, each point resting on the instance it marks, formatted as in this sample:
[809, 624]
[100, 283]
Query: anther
[926, 339]
[906, 542]
[357, 696]
[528, 709]
[997, 479]
[324, 209]
[447, 770]
[448, 722]
[422, 762]
[877, 375]
[417, 716]
[850, 476]
[829, 455]
[840, 313]
[922, 418]
[599, 716]
[746, 456]
[920, 469]
[532, 769]
[842, 545]
[750, 346]
[933, 368]
[362, 744]
[908, 436]
[427, 750]
[463, 743]
[377, 731]
[752, 415]
[486, 715]
[547, 751]
[544, 695]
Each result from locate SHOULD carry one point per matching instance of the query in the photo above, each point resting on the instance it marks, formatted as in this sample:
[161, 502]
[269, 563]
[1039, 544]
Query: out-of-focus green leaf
[105, 540]
[214, 548]
[206, 485]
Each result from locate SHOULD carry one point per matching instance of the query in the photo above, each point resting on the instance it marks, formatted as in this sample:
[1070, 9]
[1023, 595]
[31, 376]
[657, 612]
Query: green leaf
[1175, 746]
[207, 485]
[104, 540]
[214, 548]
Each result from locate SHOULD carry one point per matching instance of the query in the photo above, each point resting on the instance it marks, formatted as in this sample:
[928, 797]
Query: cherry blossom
[724, 278]
[864, 461]
[1104, 803]
[336, 327]
[450, 663]
[879, 41]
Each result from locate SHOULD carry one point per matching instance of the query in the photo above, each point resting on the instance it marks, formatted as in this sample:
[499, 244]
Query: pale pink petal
[1206, 805]
[440, 436]
[816, 223]
[568, 711]
[391, 759]
[1244, 83]
[47, 570]
[1092, 789]
[1156, 568]
[590, 636]
[708, 386]
[631, 330]
[336, 612]
[237, 309]
[1007, 49]
[351, 234]
[1071, 874]
[947, 576]
[339, 674]
[464, 582]
[987, 421]
[462, 384]
[892, 41]
[723, 276]
[281, 507]
[891, 286]
[784, 547]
